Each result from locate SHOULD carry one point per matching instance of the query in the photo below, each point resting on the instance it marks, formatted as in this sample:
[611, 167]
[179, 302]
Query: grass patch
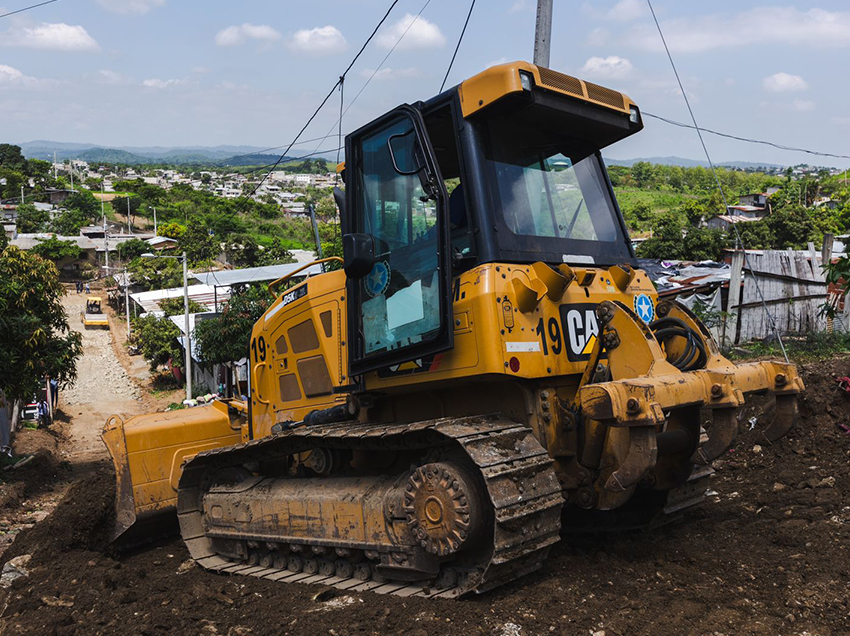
[657, 201]
[808, 348]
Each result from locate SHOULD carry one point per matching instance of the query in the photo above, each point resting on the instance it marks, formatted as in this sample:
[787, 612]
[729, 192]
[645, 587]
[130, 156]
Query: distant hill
[689, 163]
[130, 155]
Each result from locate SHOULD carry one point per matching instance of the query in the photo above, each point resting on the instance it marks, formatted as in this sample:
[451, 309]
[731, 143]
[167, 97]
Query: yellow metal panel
[489, 86]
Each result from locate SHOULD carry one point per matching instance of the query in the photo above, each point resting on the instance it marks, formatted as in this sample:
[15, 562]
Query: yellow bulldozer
[488, 364]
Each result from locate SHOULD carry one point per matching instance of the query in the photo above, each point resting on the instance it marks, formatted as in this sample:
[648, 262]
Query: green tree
[157, 339]
[170, 230]
[134, 248]
[226, 338]
[276, 254]
[35, 339]
[55, 249]
[176, 307]
[156, 273]
[31, 219]
[200, 246]
[643, 173]
[667, 239]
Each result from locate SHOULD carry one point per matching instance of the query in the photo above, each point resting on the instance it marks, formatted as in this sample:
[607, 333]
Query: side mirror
[358, 255]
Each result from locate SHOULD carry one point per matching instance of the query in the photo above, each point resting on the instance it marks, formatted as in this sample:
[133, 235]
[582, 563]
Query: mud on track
[769, 554]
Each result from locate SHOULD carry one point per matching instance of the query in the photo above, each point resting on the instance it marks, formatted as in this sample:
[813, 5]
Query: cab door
[400, 310]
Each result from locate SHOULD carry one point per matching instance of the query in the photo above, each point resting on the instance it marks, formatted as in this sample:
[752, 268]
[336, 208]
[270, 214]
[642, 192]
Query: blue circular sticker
[378, 279]
[644, 308]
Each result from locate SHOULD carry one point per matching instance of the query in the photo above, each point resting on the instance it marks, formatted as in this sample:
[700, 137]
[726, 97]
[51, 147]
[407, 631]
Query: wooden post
[826, 252]
[734, 299]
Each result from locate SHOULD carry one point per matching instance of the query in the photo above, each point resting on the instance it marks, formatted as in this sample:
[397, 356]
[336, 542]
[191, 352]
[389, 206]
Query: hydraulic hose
[694, 355]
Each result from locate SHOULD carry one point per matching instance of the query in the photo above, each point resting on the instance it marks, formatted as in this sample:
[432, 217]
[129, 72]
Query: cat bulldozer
[486, 363]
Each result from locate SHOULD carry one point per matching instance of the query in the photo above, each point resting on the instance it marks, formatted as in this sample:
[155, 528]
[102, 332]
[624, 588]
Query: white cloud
[519, 5]
[784, 83]
[13, 77]
[159, 84]
[841, 121]
[611, 67]
[326, 40]
[137, 7]
[802, 105]
[418, 33]
[112, 78]
[815, 28]
[391, 73]
[51, 36]
[241, 33]
[627, 10]
[597, 37]
[201, 70]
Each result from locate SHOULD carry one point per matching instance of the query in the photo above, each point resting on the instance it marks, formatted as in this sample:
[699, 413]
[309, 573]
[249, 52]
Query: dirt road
[102, 388]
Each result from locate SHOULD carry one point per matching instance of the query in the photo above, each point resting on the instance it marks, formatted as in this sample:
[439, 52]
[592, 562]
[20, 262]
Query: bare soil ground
[768, 554]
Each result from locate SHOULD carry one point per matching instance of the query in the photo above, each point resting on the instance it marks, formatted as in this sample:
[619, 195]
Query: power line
[746, 139]
[716, 178]
[328, 96]
[457, 48]
[40, 4]
[375, 72]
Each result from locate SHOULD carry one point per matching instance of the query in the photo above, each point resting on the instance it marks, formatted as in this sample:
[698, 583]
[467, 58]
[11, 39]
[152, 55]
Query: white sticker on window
[405, 306]
[522, 347]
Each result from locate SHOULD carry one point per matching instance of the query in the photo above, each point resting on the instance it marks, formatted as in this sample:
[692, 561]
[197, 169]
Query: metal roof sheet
[253, 274]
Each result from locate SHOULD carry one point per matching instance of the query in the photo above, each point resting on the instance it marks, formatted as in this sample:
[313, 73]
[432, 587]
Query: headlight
[634, 116]
[526, 80]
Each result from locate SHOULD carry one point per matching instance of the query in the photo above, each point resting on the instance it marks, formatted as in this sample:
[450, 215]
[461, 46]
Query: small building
[162, 243]
[57, 196]
[747, 211]
[757, 199]
[726, 221]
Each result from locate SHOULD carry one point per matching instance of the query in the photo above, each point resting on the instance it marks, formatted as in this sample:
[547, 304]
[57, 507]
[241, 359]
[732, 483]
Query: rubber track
[518, 473]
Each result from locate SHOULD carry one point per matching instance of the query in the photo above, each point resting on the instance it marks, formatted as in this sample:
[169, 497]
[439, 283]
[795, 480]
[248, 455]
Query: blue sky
[182, 72]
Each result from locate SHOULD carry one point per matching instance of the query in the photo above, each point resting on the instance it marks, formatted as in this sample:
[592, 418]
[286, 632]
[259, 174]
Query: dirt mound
[768, 553]
[81, 521]
[30, 440]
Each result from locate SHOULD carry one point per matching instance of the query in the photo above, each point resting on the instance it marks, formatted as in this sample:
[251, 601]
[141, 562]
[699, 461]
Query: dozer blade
[147, 453]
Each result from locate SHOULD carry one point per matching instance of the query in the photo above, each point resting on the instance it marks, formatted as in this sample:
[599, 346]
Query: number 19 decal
[553, 328]
[258, 346]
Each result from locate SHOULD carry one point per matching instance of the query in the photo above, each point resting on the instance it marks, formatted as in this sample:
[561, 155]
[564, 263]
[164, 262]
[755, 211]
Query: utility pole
[154, 222]
[315, 230]
[129, 229]
[71, 171]
[543, 33]
[127, 299]
[22, 194]
[188, 339]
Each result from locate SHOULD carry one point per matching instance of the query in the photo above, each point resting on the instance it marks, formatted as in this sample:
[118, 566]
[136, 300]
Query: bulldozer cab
[93, 305]
[504, 168]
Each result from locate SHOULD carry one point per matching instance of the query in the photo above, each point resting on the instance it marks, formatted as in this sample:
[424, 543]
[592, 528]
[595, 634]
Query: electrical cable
[457, 48]
[325, 100]
[40, 4]
[717, 179]
[375, 72]
[746, 139]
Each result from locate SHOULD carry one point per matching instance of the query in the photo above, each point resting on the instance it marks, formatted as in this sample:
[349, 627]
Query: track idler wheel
[443, 507]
